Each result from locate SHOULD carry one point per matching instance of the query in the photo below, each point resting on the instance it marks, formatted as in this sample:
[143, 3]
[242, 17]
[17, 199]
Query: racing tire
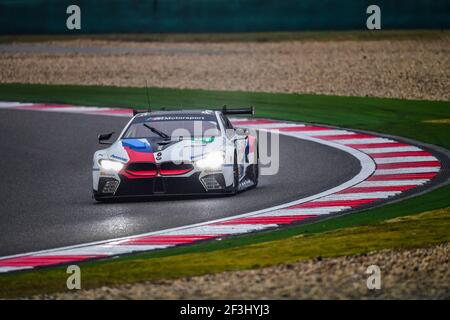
[235, 187]
[255, 169]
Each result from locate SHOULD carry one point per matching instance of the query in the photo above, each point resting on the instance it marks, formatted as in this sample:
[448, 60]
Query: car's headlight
[111, 165]
[211, 161]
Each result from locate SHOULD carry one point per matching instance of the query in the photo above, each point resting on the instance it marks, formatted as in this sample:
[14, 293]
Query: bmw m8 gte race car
[177, 152]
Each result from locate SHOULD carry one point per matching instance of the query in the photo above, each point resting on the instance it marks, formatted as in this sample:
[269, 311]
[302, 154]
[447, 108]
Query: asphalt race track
[45, 184]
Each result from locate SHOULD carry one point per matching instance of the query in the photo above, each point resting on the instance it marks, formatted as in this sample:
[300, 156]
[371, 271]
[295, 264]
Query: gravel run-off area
[413, 69]
[405, 274]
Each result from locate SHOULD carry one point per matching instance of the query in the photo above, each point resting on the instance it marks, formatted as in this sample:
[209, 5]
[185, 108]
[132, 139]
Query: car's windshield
[173, 126]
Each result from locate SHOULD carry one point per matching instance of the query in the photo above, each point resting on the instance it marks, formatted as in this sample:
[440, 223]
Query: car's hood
[160, 150]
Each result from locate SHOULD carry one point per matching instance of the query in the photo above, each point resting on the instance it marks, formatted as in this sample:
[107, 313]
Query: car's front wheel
[235, 187]
[255, 170]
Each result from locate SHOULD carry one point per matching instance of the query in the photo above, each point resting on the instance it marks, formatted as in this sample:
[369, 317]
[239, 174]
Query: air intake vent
[142, 169]
[142, 166]
[110, 186]
[210, 183]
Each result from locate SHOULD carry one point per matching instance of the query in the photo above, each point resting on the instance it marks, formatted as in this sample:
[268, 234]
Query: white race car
[177, 152]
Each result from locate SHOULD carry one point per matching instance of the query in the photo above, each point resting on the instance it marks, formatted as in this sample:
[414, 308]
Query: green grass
[430, 201]
[244, 36]
[426, 229]
[393, 116]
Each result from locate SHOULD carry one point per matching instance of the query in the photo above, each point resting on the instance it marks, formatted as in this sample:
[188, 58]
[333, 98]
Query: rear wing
[249, 110]
[224, 110]
[137, 111]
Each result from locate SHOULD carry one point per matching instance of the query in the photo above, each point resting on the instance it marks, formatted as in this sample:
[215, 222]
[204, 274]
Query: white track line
[406, 170]
[303, 211]
[270, 125]
[107, 250]
[414, 182]
[12, 105]
[9, 269]
[389, 149]
[363, 141]
[318, 133]
[361, 195]
[221, 229]
[403, 159]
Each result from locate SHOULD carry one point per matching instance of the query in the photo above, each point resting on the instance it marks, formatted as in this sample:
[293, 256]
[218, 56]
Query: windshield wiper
[159, 133]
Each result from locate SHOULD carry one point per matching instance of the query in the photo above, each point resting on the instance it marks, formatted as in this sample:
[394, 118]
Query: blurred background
[300, 46]
[137, 16]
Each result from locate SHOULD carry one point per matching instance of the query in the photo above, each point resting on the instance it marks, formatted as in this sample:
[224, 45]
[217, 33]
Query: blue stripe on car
[137, 145]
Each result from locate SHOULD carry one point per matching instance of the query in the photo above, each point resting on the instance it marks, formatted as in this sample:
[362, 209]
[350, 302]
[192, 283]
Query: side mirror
[241, 132]
[105, 136]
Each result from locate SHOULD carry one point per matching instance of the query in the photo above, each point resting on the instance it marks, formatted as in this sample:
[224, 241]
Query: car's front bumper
[197, 183]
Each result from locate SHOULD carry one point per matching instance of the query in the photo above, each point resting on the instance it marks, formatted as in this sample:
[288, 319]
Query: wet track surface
[45, 184]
